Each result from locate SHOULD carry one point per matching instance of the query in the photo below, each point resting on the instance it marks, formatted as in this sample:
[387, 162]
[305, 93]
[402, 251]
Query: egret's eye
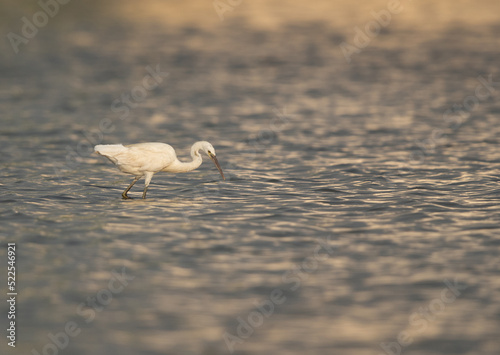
[209, 152]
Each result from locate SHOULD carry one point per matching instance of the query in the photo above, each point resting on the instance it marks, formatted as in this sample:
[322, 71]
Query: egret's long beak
[214, 158]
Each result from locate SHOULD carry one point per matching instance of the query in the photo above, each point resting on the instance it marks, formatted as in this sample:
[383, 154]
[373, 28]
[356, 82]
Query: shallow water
[352, 203]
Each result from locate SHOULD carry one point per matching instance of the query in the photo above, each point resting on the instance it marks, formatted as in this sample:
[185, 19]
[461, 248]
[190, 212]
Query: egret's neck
[180, 167]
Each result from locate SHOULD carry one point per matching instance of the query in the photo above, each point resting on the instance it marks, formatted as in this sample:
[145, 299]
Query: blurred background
[371, 124]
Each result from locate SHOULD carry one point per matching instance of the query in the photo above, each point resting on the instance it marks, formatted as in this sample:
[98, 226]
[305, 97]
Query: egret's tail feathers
[109, 149]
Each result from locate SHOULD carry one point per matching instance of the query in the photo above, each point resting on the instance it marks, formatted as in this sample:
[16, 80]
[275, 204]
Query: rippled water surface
[360, 214]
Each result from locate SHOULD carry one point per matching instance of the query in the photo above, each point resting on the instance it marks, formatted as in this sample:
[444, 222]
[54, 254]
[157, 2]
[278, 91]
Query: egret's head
[210, 151]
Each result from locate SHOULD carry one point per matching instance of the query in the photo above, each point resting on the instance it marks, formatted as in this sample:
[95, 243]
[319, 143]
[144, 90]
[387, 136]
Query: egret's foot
[124, 193]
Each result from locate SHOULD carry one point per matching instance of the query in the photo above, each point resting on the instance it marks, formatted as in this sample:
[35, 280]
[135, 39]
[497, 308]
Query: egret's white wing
[146, 157]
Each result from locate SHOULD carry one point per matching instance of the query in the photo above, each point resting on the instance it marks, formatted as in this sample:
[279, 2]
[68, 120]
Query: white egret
[147, 159]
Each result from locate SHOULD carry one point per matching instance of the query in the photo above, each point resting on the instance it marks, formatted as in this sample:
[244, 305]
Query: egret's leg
[124, 194]
[149, 176]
